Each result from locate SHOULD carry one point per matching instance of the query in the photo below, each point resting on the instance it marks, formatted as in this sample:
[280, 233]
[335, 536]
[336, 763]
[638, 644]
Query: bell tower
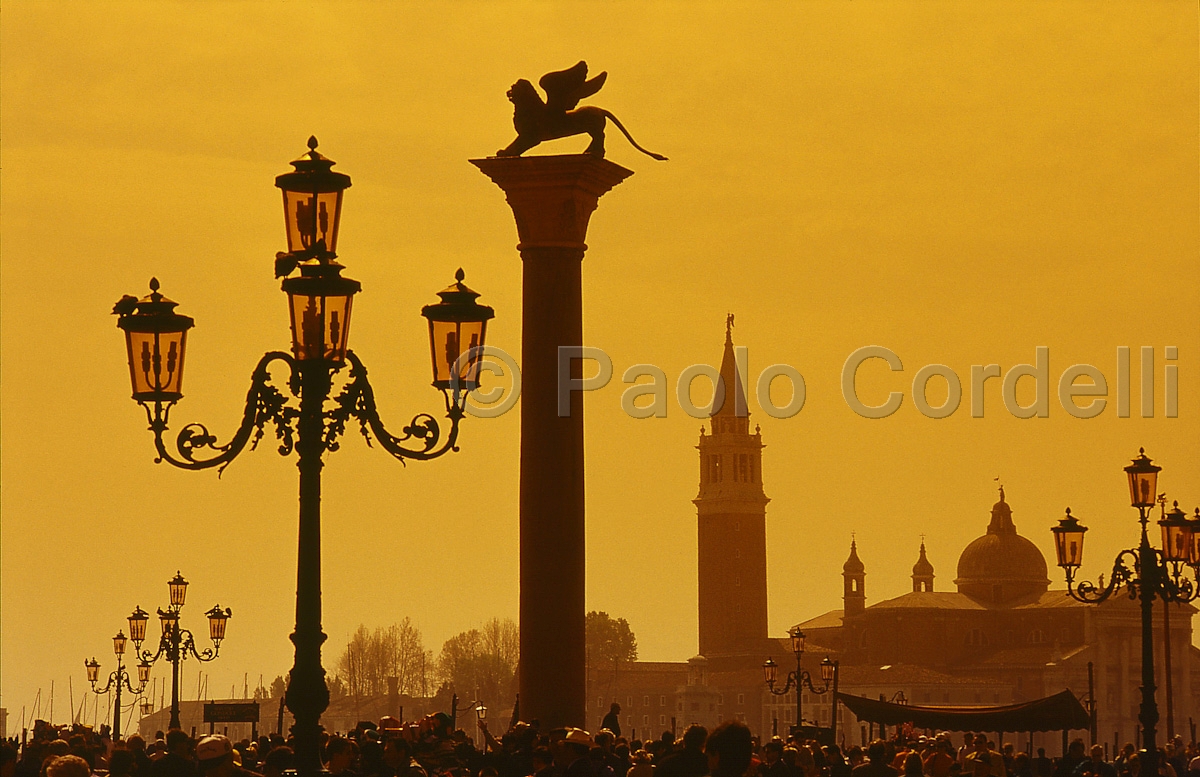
[922, 574]
[731, 511]
[854, 577]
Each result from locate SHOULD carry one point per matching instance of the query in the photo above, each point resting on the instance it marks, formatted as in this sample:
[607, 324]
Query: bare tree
[370, 658]
[483, 661]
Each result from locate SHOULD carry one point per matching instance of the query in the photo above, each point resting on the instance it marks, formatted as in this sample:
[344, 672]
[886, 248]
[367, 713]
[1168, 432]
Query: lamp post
[306, 420]
[1144, 573]
[117, 679]
[800, 678]
[176, 644]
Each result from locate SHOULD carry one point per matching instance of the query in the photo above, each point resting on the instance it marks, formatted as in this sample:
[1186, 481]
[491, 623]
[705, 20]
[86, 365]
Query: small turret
[854, 573]
[922, 573]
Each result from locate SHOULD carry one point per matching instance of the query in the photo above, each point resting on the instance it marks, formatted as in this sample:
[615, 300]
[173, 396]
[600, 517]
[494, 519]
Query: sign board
[231, 712]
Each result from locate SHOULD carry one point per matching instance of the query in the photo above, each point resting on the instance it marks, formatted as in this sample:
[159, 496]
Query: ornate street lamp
[800, 678]
[312, 204]
[118, 679]
[155, 337]
[177, 644]
[1144, 573]
[307, 418]
[137, 627]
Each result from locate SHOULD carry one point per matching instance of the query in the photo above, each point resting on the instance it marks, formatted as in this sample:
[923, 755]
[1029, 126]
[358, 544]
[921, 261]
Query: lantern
[312, 203]
[481, 712]
[93, 670]
[457, 328]
[119, 643]
[143, 670]
[1196, 538]
[319, 306]
[137, 626]
[178, 588]
[797, 640]
[155, 337]
[770, 671]
[147, 707]
[827, 670]
[168, 620]
[1068, 541]
[1143, 478]
[216, 622]
[1176, 535]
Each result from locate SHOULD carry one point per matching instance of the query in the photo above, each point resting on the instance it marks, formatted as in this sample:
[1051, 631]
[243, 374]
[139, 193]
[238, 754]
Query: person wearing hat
[216, 757]
[571, 757]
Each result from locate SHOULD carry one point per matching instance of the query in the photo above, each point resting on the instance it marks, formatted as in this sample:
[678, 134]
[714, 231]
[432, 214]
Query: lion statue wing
[565, 88]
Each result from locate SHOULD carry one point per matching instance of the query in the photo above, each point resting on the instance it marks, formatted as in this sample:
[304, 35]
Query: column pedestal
[552, 198]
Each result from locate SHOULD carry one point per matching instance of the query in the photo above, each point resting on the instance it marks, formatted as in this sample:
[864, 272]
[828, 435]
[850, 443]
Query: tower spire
[732, 415]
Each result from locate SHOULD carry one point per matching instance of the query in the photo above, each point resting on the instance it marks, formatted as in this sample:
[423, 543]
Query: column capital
[552, 197]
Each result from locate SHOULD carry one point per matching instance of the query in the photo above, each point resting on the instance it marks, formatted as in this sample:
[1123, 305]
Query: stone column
[552, 198]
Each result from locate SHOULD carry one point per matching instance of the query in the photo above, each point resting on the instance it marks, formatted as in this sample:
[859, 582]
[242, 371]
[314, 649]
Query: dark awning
[1061, 711]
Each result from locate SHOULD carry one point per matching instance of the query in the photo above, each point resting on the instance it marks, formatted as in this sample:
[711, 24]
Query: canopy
[1060, 712]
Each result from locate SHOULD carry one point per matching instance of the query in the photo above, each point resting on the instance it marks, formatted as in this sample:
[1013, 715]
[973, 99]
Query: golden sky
[958, 182]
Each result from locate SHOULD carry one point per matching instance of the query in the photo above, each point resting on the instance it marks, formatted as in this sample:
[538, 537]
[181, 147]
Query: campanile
[731, 511]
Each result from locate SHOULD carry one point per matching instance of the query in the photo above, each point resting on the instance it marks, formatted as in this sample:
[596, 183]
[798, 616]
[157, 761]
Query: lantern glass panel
[216, 624]
[137, 626]
[1195, 535]
[1176, 535]
[1141, 488]
[167, 620]
[143, 673]
[178, 588]
[119, 644]
[156, 362]
[1143, 480]
[311, 216]
[449, 340]
[320, 326]
[1069, 547]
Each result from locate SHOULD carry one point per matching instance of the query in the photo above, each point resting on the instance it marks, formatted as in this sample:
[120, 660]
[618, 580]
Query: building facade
[1001, 636]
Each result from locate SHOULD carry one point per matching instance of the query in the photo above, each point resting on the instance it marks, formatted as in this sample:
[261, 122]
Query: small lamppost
[177, 644]
[800, 678]
[1144, 573]
[117, 679]
[308, 419]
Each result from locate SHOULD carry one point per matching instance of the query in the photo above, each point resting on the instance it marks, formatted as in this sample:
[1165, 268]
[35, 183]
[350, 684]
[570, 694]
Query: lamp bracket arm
[357, 400]
[264, 402]
[152, 658]
[1122, 574]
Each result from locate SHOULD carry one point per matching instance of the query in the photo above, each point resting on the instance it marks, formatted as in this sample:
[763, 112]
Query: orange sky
[961, 183]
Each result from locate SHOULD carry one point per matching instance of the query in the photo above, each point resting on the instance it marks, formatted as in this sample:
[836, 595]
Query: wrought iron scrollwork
[1166, 580]
[357, 400]
[267, 404]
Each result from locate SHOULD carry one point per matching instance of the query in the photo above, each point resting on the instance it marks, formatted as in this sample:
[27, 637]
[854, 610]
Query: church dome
[1001, 565]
